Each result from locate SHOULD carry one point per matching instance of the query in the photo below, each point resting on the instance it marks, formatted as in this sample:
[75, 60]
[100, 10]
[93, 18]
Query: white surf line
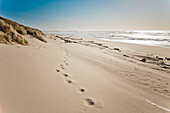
[166, 109]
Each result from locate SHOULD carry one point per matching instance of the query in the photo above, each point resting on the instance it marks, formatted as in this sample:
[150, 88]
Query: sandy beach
[71, 75]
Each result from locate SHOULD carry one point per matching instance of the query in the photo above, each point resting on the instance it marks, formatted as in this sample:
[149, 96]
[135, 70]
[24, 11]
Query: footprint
[69, 81]
[66, 75]
[82, 90]
[57, 70]
[97, 103]
[89, 102]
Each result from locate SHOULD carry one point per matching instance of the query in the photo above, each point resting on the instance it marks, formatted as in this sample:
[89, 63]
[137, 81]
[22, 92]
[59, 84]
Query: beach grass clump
[4, 27]
[41, 38]
[19, 39]
[8, 37]
[2, 24]
[29, 31]
[3, 40]
[11, 37]
[20, 29]
[36, 34]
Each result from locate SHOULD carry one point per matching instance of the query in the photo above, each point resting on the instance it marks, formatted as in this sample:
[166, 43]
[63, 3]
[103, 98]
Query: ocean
[151, 38]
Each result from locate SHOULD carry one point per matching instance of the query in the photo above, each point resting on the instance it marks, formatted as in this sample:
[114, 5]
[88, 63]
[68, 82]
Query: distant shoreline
[149, 38]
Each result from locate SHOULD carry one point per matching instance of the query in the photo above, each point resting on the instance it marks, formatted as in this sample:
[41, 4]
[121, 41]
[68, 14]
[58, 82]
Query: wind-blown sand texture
[71, 75]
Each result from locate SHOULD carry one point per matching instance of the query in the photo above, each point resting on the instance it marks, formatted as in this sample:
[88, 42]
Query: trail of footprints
[88, 102]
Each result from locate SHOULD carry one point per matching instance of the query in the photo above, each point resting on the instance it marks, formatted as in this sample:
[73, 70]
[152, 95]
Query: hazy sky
[89, 14]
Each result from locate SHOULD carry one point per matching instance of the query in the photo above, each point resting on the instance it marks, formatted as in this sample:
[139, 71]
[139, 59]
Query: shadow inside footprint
[90, 102]
[97, 103]
[66, 75]
[82, 90]
[57, 70]
[69, 81]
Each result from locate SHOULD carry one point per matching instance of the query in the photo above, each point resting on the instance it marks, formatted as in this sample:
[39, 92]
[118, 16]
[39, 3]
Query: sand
[71, 75]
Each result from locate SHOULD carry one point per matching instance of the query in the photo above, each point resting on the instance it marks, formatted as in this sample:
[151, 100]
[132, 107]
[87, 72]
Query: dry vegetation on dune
[13, 32]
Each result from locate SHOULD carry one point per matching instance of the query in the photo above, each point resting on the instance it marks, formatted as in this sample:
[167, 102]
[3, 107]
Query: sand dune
[70, 75]
[12, 32]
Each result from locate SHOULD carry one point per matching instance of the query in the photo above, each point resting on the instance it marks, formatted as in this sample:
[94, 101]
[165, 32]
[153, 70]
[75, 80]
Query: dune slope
[13, 32]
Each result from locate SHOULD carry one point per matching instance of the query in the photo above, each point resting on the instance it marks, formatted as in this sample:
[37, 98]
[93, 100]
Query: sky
[89, 15]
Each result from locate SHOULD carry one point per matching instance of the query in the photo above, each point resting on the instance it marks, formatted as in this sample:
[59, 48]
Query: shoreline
[126, 41]
[152, 38]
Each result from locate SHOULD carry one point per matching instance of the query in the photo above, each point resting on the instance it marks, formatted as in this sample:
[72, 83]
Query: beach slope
[71, 75]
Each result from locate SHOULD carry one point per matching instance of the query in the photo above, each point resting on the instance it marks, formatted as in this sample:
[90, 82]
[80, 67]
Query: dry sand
[70, 75]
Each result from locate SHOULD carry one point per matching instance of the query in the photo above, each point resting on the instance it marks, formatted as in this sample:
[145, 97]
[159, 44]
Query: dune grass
[21, 30]
[13, 32]
[19, 39]
[3, 40]
[37, 34]
[4, 27]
